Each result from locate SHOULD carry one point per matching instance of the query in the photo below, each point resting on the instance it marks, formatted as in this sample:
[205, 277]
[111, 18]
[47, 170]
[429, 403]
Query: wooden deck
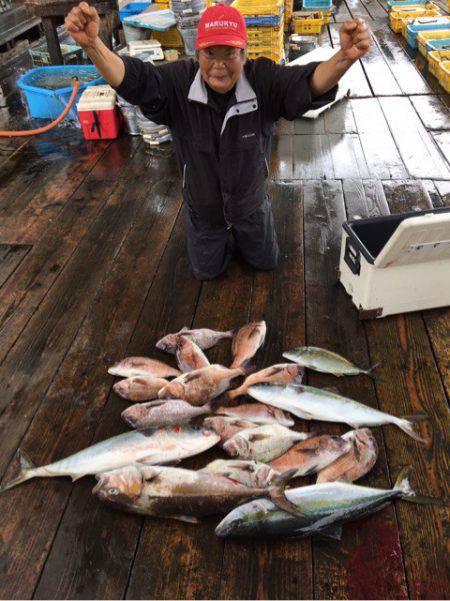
[93, 268]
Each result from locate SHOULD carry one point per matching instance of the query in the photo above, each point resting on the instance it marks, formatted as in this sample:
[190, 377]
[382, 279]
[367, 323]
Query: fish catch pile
[181, 412]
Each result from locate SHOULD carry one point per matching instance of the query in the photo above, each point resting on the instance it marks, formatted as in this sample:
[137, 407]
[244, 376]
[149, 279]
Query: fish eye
[113, 491]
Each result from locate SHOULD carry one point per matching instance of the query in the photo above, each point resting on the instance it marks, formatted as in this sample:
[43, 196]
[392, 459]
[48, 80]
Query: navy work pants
[210, 247]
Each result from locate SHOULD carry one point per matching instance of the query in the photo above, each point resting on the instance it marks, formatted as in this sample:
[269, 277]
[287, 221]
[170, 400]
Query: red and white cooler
[98, 114]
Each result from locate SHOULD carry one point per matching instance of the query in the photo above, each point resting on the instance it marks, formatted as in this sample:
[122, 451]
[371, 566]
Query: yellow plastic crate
[411, 20]
[170, 38]
[444, 75]
[274, 56]
[424, 36]
[258, 8]
[397, 17]
[304, 22]
[434, 58]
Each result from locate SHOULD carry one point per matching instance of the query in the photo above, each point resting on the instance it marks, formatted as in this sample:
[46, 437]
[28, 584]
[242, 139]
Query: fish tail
[369, 371]
[26, 469]
[403, 486]
[406, 424]
[230, 333]
[277, 493]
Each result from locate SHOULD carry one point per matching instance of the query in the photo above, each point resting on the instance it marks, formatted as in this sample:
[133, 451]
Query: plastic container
[397, 17]
[135, 34]
[393, 4]
[444, 75]
[71, 54]
[307, 22]
[317, 4]
[189, 38]
[432, 36]
[98, 114]
[424, 24]
[133, 8]
[46, 103]
[434, 58]
[437, 45]
[169, 39]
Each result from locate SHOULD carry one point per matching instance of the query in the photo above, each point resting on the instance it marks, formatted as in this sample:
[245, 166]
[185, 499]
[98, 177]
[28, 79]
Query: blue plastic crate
[133, 8]
[415, 28]
[443, 44]
[265, 20]
[392, 3]
[317, 4]
[49, 104]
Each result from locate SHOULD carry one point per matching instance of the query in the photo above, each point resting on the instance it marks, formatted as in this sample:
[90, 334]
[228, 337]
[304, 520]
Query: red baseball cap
[221, 25]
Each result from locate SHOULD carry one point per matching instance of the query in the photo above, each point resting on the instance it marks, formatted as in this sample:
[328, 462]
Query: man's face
[221, 67]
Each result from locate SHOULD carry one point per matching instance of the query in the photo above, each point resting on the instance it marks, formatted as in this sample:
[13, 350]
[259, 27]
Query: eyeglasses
[230, 56]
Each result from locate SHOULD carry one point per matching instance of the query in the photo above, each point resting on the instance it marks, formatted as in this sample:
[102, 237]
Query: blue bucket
[49, 104]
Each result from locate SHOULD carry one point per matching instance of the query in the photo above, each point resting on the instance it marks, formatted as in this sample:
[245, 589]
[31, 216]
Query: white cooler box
[397, 263]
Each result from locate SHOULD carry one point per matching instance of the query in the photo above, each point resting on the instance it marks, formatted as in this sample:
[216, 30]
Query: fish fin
[403, 485]
[191, 377]
[230, 333]
[184, 518]
[344, 479]
[368, 372]
[246, 369]
[355, 449]
[26, 465]
[232, 394]
[406, 424]
[333, 389]
[334, 531]
[75, 478]
[277, 493]
[254, 437]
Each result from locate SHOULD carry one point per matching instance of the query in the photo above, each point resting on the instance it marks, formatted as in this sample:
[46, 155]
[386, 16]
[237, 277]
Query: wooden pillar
[51, 36]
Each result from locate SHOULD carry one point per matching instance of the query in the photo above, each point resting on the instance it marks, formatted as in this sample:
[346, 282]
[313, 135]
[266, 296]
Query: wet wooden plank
[348, 156]
[310, 126]
[432, 192]
[408, 195]
[274, 567]
[34, 277]
[382, 156]
[375, 10]
[365, 198]
[341, 12]
[443, 188]
[381, 80]
[410, 384]
[358, 10]
[442, 139]
[350, 568]
[281, 165]
[407, 76]
[312, 157]
[156, 301]
[432, 112]
[339, 119]
[190, 556]
[415, 144]
[10, 257]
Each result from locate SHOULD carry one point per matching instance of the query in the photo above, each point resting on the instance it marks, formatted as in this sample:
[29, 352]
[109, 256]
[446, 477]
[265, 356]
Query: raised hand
[355, 38]
[83, 24]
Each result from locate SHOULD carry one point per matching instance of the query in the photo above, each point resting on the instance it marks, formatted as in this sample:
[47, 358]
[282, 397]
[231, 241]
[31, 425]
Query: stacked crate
[265, 27]
[188, 14]
[288, 10]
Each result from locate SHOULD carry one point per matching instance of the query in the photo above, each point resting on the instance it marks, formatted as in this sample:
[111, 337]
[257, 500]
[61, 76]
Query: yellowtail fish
[325, 361]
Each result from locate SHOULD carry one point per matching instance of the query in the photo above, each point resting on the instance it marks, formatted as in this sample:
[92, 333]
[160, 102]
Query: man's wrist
[94, 46]
[342, 60]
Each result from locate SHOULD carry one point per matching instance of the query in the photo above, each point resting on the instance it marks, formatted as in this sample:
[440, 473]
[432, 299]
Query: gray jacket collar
[199, 93]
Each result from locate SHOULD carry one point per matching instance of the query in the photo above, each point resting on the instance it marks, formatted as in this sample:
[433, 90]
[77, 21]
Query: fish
[201, 385]
[357, 462]
[247, 472]
[227, 427]
[203, 337]
[189, 356]
[247, 341]
[283, 372]
[161, 413]
[257, 413]
[325, 361]
[263, 443]
[325, 507]
[181, 494]
[139, 388]
[142, 366]
[153, 446]
[311, 455]
[307, 402]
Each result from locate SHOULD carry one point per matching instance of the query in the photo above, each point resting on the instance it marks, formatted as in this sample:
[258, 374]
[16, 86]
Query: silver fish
[357, 462]
[161, 413]
[164, 445]
[311, 455]
[247, 341]
[189, 355]
[325, 361]
[181, 494]
[263, 443]
[249, 473]
[325, 507]
[257, 413]
[203, 337]
[307, 402]
[142, 366]
[139, 388]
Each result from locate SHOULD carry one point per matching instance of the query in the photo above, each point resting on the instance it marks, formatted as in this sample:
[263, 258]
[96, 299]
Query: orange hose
[45, 128]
